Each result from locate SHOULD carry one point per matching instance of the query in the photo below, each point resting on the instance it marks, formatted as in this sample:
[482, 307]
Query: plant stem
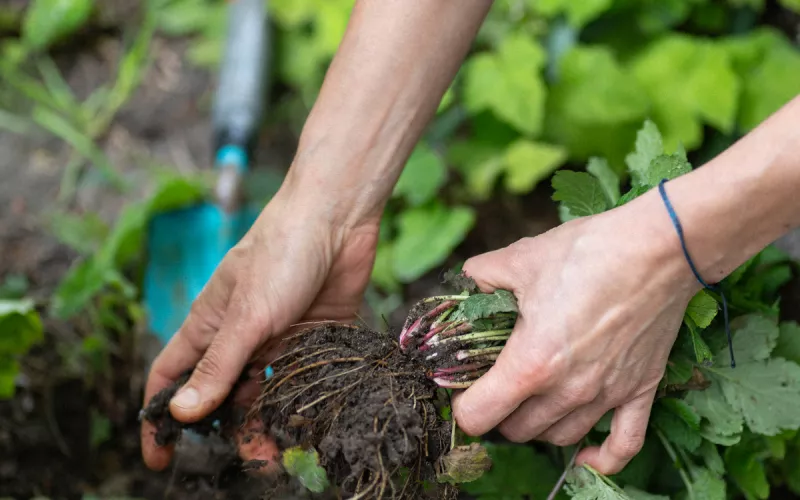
[563, 478]
[472, 336]
[462, 355]
[677, 462]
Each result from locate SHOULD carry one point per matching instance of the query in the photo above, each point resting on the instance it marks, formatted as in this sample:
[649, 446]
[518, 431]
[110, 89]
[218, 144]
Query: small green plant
[20, 329]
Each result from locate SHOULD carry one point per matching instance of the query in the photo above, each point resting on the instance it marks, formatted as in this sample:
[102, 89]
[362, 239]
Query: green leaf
[485, 305]
[754, 338]
[304, 465]
[83, 233]
[676, 430]
[765, 393]
[528, 162]
[426, 236]
[48, 21]
[791, 466]
[580, 192]
[592, 89]
[708, 486]
[702, 309]
[666, 167]
[609, 180]
[788, 342]
[690, 82]
[712, 458]
[510, 477]
[702, 352]
[578, 13]
[20, 326]
[721, 421]
[423, 175]
[382, 271]
[747, 471]
[649, 146]
[637, 494]
[9, 369]
[770, 81]
[683, 410]
[508, 82]
[583, 484]
[634, 193]
[481, 164]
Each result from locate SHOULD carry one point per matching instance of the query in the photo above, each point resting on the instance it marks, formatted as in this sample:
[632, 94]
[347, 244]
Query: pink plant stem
[442, 372]
[408, 333]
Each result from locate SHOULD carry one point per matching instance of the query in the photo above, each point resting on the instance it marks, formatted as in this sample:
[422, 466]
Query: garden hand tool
[185, 246]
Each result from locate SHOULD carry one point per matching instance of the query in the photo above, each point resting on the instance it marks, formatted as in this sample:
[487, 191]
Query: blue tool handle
[241, 90]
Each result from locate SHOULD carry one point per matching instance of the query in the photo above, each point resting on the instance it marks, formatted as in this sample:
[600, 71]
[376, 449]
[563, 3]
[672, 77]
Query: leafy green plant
[21, 329]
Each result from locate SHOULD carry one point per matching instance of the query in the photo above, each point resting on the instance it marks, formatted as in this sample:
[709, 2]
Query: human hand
[601, 300]
[300, 262]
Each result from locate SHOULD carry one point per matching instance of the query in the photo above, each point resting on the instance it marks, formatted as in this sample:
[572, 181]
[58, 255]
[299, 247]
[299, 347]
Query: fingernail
[187, 398]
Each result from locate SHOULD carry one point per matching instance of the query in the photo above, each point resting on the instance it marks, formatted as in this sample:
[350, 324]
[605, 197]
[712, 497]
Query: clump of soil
[350, 393]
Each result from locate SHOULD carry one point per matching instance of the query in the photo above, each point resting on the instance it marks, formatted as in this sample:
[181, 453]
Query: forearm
[743, 200]
[393, 66]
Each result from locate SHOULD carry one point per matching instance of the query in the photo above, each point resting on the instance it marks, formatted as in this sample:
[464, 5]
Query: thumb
[500, 268]
[222, 363]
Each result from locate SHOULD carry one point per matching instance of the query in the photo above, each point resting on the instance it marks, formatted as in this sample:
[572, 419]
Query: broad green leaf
[186, 17]
[791, 466]
[480, 163]
[637, 494]
[609, 180]
[528, 162]
[676, 430]
[793, 5]
[426, 236]
[683, 410]
[84, 280]
[666, 167]
[690, 82]
[720, 419]
[83, 233]
[708, 486]
[510, 477]
[747, 471]
[578, 13]
[712, 458]
[423, 175]
[580, 192]
[9, 369]
[382, 272]
[649, 146]
[508, 82]
[20, 327]
[634, 193]
[765, 393]
[702, 309]
[773, 82]
[754, 338]
[788, 342]
[304, 465]
[48, 21]
[583, 484]
[484, 305]
[592, 89]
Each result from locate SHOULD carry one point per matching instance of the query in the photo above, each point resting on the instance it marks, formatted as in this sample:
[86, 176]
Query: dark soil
[349, 393]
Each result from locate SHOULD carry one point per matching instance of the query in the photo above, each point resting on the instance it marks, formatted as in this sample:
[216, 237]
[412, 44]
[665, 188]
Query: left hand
[601, 300]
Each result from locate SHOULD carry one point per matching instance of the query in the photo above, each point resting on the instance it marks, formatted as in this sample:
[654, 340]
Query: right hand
[300, 262]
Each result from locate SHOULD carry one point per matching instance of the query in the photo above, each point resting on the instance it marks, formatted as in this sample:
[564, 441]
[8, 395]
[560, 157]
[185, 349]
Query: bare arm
[310, 254]
[385, 83]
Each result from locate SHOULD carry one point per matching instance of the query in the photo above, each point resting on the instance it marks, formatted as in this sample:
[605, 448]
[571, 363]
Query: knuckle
[583, 394]
[564, 439]
[210, 366]
[628, 445]
[514, 434]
